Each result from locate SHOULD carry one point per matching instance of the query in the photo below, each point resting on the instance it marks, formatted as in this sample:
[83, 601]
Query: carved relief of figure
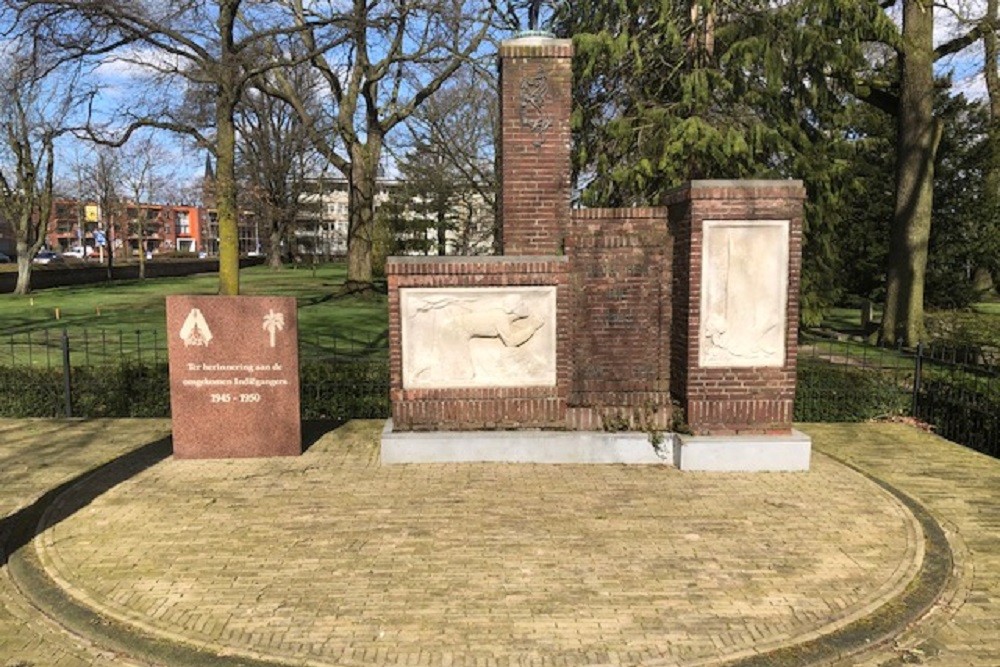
[479, 342]
[744, 298]
[534, 97]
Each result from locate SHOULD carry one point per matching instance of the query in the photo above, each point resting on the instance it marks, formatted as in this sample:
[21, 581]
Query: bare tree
[985, 276]
[103, 183]
[384, 60]
[206, 50]
[274, 158]
[917, 138]
[460, 125]
[143, 164]
[35, 105]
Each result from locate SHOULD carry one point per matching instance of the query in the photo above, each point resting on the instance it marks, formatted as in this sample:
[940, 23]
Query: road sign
[99, 238]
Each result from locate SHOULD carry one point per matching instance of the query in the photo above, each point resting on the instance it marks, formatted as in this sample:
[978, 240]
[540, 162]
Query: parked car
[79, 252]
[4, 259]
[45, 257]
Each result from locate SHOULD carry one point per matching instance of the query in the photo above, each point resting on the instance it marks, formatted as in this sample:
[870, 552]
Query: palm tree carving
[273, 323]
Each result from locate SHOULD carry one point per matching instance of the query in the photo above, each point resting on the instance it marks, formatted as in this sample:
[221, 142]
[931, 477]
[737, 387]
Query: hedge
[358, 389]
[837, 393]
[330, 390]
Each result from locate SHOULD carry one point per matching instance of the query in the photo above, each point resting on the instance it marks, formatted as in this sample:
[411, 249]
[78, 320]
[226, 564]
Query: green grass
[852, 353]
[846, 320]
[103, 319]
[992, 308]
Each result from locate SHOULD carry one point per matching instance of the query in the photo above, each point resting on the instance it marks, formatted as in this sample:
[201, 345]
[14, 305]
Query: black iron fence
[953, 387]
[123, 373]
[48, 348]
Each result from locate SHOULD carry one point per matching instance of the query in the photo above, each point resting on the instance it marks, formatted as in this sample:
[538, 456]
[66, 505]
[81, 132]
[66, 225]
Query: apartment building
[322, 222]
[127, 227]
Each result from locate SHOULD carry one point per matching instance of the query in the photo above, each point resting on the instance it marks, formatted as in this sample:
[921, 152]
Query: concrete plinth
[523, 447]
[743, 453]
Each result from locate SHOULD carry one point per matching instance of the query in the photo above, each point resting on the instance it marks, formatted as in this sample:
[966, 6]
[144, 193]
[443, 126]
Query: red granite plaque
[234, 376]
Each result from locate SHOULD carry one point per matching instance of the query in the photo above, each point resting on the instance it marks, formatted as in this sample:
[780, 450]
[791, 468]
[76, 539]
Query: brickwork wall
[535, 90]
[620, 261]
[628, 286]
[479, 408]
[721, 401]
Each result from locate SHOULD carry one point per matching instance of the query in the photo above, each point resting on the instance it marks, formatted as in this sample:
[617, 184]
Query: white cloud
[137, 62]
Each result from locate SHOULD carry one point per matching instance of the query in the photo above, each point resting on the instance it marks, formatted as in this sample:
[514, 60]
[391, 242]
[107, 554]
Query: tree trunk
[983, 280]
[226, 206]
[23, 269]
[275, 237]
[361, 209]
[442, 229]
[917, 137]
[142, 251]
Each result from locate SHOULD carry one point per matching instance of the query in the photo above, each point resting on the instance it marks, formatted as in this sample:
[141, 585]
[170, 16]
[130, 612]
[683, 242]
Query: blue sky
[121, 78]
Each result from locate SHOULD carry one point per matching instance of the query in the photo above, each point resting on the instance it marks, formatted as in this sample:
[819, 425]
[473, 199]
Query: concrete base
[523, 447]
[743, 453]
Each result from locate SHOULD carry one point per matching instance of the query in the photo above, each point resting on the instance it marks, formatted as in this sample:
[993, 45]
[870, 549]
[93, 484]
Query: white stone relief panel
[478, 337]
[744, 293]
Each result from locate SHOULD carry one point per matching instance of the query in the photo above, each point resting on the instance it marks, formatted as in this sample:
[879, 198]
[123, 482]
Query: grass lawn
[979, 324]
[116, 311]
[991, 308]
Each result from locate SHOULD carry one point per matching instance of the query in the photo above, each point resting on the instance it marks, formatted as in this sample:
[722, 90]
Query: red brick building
[158, 228]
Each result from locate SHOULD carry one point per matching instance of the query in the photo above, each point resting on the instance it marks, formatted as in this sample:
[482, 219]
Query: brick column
[535, 104]
[737, 267]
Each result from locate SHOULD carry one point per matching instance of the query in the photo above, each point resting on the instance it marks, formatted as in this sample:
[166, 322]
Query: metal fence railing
[953, 387]
[104, 372]
[97, 347]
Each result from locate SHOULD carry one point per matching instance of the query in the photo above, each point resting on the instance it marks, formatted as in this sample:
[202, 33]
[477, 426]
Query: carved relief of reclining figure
[479, 341]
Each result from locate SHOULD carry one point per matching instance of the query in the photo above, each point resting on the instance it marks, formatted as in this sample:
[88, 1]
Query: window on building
[181, 223]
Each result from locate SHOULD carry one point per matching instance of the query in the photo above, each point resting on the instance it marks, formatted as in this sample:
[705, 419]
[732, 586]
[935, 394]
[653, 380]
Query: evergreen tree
[671, 91]
[421, 211]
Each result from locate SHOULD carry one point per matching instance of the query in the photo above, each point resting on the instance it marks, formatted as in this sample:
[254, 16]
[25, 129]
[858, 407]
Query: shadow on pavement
[19, 528]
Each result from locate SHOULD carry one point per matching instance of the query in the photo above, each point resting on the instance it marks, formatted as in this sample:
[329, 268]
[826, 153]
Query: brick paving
[36, 456]
[961, 488]
[330, 559]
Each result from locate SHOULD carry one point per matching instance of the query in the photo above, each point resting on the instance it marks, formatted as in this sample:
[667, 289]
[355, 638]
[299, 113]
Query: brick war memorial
[633, 335]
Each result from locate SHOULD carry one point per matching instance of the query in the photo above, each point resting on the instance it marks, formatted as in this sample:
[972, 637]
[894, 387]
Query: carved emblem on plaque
[534, 96]
[195, 331]
[273, 323]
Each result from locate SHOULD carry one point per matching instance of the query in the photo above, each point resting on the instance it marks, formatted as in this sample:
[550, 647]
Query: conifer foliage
[683, 89]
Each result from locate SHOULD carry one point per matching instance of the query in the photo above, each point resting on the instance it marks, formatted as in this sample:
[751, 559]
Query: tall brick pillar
[737, 267]
[535, 104]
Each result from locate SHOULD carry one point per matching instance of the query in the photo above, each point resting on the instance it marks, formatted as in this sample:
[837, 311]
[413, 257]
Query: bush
[26, 391]
[352, 389]
[837, 393]
[963, 411]
[104, 391]
[127, 390]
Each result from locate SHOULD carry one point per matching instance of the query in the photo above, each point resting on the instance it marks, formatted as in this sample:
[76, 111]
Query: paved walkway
[37, 456]
[329, 559]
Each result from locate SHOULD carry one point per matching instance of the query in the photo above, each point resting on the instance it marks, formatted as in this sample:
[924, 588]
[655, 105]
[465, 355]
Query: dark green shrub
[126, 390]
[837, 393]
[963, 411]
[27, 391]
[341, 389]
[345, 389]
